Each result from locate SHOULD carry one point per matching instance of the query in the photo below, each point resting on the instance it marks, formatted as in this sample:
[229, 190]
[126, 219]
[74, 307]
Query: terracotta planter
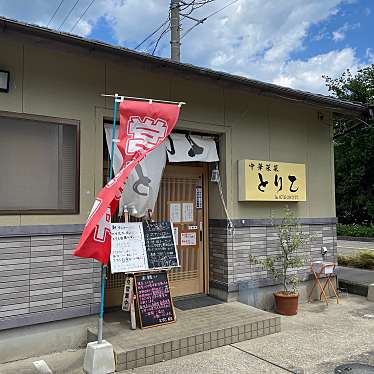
[286, 304]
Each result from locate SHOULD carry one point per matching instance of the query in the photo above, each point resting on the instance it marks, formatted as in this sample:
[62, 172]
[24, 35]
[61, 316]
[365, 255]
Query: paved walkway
[350, 246]
[315, 341]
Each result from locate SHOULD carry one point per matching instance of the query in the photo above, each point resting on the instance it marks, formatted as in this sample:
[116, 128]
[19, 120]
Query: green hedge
[355, 230]
[362, 260]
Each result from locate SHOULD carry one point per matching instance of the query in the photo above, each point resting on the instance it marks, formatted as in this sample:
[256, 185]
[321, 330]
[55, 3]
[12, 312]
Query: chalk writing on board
[154, 299]
[160, 245]
[128, 248]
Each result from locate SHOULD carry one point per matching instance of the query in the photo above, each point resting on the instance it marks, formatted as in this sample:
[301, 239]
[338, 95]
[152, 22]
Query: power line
[68, 15]
[154, 32]
[205, 18]
[82, 15]
[193, 5]
[220, 10]
[55, 12]
[159, 38]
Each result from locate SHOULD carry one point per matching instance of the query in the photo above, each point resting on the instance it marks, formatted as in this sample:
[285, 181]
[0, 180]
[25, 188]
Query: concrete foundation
[99, 358]
[263, 297]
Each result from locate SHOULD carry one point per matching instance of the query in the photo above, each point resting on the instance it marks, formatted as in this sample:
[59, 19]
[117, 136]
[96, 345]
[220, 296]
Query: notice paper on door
[188, 238]
[187, 212]
[175, 212]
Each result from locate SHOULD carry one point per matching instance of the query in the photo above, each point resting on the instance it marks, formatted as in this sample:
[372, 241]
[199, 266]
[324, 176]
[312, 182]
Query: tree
[354, 149]
[283, 265]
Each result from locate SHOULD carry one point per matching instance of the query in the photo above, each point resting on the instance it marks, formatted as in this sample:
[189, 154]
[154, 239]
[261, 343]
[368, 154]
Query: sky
[287, 42]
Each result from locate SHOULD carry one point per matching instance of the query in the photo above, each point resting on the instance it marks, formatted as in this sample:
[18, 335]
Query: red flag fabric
[143, 126]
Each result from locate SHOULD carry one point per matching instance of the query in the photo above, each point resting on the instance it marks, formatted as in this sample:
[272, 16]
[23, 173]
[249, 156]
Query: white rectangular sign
[188, 238]
[175, 212]
[187, 212]
[128, 248]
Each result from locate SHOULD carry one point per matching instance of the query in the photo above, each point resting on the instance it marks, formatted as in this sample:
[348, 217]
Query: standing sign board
[128, 248]
[160, 245]
[128, 294]
[140, 246]
[154, 300]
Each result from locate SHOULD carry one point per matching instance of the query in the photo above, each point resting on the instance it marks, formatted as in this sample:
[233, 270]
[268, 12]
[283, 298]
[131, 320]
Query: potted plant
[282, 266]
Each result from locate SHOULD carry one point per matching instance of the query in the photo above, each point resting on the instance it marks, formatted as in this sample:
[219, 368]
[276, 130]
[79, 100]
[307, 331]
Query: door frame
[204, 166]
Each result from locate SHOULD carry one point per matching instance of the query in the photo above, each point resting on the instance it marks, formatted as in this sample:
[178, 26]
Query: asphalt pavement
[351, 246]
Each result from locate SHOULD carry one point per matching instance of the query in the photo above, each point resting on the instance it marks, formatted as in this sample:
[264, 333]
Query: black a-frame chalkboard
[154, 300]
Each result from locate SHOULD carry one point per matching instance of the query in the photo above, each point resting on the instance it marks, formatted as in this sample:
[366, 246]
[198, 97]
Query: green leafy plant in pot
[282, 266]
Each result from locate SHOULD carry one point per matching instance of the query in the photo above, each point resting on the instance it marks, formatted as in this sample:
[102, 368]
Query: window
[39, 167]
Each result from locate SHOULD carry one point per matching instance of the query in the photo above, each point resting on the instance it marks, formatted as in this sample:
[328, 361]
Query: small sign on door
[188, 238]
[199, 198]
[187, 212]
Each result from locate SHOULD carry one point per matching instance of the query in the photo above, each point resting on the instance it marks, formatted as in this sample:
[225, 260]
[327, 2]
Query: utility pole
[175, 43]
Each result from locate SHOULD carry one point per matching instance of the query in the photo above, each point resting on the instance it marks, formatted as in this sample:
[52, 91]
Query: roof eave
[262, 88]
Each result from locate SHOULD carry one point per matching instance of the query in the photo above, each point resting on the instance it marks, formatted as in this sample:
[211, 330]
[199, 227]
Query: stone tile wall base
[230, 252]
[41, 280]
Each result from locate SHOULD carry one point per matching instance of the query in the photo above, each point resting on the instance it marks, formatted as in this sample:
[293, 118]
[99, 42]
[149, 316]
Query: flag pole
[104, 267]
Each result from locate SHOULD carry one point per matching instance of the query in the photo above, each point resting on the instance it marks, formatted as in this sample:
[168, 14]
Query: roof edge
[263, 88]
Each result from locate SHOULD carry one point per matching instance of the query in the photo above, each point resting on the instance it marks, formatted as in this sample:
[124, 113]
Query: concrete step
[195, 330]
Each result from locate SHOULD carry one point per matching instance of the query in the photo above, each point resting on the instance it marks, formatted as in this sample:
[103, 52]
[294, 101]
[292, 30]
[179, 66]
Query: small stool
[327, 269]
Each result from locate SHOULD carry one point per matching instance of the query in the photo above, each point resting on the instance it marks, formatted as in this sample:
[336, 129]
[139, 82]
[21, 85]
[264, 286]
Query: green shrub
[355, 230]
[361, 260]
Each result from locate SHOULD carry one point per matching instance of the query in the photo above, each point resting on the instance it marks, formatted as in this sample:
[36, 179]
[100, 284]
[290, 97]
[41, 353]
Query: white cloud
[254, 38]
[341, 32]
[306, 75]
[370, 55]
[337, 36]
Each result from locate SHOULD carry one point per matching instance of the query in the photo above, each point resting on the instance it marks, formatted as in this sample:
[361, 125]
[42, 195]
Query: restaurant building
[275, 147]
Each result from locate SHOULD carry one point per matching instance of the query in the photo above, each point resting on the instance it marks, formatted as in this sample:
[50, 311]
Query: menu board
[160, 245]
[128, 248]
[154, 300]
[138, 246]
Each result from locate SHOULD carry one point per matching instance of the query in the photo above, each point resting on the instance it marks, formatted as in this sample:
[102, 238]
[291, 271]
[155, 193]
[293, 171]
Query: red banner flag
[143, 126]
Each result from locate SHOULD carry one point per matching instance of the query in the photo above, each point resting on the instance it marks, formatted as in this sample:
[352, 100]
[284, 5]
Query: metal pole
[175, 43]
[120, 98]
[104, 267]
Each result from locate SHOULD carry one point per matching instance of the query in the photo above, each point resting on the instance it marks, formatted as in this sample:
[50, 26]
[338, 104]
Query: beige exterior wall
[46, 80]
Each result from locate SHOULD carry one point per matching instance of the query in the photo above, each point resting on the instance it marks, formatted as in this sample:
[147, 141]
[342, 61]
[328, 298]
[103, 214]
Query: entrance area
[195, 330]
[182, 199]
